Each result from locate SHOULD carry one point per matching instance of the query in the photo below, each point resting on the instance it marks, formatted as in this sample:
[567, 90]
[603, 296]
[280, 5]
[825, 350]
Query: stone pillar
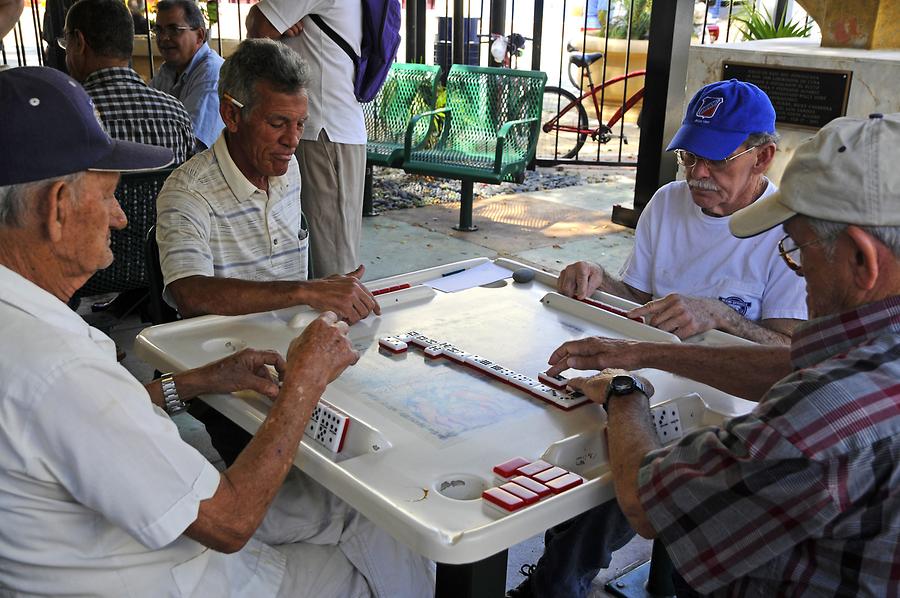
[865, 24]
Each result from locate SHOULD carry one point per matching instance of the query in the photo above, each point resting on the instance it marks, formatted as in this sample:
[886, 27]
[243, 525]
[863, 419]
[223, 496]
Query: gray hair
[14, 199]
[192, 13]
[828, 231]
[757, 139]
[258, 60]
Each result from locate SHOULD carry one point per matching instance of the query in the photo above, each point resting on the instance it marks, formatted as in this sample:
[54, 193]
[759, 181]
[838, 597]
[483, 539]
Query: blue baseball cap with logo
[721, 116]
[49, 128]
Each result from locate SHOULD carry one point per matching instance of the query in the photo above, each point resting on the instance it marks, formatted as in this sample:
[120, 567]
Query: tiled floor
[546, 229]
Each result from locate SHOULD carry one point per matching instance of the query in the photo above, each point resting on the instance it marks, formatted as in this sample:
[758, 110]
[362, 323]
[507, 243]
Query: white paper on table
[485, 273]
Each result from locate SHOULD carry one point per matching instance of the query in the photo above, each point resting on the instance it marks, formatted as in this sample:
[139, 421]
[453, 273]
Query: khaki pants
[333, 175]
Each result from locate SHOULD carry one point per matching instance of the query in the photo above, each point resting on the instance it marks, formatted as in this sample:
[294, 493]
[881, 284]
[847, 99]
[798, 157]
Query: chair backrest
[137, 195]
[409, 89]
[482, 99]
[159, 311]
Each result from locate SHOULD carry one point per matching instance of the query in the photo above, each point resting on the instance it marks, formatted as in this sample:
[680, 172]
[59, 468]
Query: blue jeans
[576, 550]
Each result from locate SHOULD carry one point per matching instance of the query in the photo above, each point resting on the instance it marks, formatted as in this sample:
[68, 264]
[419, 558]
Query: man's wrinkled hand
[682, 315]
[580, 280]
[595, 353]
[343, 294]
[248, 369]
[320, 353]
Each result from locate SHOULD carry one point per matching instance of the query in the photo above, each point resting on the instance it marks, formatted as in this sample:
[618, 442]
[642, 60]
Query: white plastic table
[425, 434]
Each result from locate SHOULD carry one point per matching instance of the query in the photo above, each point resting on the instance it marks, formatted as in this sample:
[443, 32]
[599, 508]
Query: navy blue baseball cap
[50, 129]
[721, 116]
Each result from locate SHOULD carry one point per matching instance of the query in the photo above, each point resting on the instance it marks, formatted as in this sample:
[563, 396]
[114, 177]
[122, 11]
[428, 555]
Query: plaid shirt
[133, 111]
[801, 497]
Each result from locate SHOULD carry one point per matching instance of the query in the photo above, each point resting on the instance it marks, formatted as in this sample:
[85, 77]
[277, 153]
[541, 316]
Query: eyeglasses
[690, 159]
[785, 254]
[61, 40]
[170, 30]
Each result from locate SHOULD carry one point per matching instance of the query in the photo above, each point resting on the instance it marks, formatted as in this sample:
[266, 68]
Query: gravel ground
[393, 189]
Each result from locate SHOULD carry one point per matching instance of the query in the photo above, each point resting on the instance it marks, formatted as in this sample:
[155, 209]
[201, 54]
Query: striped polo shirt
[212, 221]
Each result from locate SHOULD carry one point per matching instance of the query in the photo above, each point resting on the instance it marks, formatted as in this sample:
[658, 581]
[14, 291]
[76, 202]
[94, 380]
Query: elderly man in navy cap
[692, 275]
[687, 270]
[99, 495]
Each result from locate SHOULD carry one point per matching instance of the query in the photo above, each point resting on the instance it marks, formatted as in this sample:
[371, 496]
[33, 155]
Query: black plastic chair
[136, 193]
[158, 310]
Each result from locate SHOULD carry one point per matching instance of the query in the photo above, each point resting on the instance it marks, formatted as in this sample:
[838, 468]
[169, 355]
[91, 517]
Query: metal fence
[593, 51]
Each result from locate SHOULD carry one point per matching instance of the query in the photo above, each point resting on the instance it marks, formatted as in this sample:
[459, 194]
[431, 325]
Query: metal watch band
[174, 404]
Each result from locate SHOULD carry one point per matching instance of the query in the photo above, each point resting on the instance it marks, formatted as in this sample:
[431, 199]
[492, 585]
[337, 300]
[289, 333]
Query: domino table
[446, 454]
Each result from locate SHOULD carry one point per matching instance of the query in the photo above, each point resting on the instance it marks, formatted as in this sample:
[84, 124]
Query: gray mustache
[703, 184]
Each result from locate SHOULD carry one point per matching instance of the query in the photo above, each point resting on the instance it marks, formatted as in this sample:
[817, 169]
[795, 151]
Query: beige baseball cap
[849, 172]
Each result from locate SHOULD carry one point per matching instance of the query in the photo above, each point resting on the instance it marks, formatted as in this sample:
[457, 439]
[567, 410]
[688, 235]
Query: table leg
[482, 579]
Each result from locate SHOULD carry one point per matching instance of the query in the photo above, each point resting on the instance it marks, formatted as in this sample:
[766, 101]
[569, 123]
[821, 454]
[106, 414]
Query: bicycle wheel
[557, 144]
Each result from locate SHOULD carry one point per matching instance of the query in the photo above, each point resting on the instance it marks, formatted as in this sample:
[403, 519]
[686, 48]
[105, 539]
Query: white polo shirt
[679, 249]
[212, 221]
[332, 105]
[96, 486]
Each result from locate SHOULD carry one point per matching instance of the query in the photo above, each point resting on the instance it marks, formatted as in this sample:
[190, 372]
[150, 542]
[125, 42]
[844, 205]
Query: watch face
[622, 384]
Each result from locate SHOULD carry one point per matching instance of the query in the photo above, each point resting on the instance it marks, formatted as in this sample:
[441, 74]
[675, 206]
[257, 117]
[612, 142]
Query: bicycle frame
[593, 90]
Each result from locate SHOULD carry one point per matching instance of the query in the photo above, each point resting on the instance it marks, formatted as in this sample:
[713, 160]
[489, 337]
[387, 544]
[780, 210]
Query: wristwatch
[624, 385]
[174, 404]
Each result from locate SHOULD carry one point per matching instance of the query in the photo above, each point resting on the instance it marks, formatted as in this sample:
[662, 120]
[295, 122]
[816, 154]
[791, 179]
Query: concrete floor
[547, 229]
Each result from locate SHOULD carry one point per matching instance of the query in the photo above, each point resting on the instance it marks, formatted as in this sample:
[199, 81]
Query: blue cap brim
[128, 156]
[706, 143]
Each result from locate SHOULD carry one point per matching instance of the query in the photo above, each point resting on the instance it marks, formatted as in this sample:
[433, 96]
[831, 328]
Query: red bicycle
[565, 126]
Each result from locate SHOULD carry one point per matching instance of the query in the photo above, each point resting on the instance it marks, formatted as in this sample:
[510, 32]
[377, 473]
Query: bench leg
[466, 194]
[368, 208]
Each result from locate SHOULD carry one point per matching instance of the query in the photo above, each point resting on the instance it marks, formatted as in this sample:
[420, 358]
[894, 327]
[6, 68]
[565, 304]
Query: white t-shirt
[679, 249]
[332, 105]
[96, 486]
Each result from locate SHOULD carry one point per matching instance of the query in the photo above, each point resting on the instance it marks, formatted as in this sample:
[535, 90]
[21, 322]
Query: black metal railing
[554, 32]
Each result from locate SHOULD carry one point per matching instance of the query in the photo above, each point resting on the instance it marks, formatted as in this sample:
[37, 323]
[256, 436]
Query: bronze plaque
[802, 97]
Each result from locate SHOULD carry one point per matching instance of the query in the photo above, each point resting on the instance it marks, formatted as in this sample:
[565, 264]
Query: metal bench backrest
[483, 99]
[409, 89]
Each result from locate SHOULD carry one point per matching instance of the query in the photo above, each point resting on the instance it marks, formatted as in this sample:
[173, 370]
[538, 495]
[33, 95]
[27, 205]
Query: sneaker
[523, 590]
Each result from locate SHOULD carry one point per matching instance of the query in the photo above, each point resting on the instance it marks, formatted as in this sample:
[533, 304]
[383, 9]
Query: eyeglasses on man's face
[170, 30]
[786, 247]
[62, 40]
[690, 159]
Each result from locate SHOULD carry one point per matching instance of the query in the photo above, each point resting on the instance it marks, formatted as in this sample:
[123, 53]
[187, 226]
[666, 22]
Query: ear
[864, 260]
[54, 208]
[764, 156]
[231, 115]
[201, 37]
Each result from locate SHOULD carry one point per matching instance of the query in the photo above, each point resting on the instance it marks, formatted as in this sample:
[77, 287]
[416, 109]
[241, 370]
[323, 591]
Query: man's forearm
[249, 486]
[746, 371]
[631, 436]
[779, 334]
[202, 295]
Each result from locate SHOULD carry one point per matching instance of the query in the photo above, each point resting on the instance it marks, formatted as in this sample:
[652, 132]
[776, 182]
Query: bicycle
[565, 132]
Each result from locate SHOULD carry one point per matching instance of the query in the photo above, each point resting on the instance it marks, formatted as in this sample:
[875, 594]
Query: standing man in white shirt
[332, 151]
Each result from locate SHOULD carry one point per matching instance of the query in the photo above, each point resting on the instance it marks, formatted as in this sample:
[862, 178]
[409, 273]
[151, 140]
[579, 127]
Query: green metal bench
[490, 130]
[408, 90]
